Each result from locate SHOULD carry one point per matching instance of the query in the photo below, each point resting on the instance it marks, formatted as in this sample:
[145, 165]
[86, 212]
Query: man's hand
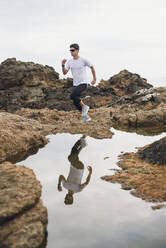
[64, 61]
[89, 169]
[93, 82]
[59, 188]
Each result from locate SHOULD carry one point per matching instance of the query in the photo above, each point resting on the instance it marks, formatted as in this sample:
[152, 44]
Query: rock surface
[144, 172]
[30, 85]
[20, 136]
[154, 153]
[145, 108]
[69, 122]
[124, 83]
[23, 219]
[17, 73]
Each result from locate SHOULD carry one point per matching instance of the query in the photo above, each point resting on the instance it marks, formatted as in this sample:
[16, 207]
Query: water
[102, 214]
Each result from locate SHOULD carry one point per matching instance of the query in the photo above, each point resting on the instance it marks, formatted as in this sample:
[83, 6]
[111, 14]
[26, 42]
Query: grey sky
[113, 34]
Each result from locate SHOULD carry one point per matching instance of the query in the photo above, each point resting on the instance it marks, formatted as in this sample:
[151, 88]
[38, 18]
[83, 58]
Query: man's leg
[75, 96]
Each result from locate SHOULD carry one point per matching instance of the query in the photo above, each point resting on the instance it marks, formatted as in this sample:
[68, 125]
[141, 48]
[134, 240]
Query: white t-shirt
[73, 181]
[78, 70]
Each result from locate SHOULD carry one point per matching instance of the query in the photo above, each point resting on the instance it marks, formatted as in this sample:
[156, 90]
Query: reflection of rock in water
[159, 206]
[23, 217]
[144, 178]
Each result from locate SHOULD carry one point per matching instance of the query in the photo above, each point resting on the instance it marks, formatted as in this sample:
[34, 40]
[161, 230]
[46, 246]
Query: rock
[125, 83]
[19, 190]
[142, 172]
[20, 137]
[69, 122]
[30, 85]
[23, 219]
[145, 108]
[154, 153]
[16, 73]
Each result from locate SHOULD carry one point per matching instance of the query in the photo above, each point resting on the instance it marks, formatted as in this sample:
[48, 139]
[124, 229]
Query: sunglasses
[72, 50]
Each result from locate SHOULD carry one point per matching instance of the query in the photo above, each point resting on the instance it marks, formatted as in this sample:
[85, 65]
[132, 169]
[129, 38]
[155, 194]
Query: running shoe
[85, 118]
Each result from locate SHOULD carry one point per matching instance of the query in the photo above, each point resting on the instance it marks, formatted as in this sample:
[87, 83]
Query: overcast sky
[113, 34]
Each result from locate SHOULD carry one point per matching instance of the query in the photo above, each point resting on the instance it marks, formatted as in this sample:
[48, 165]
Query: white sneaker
[85, 110]
[85, 118]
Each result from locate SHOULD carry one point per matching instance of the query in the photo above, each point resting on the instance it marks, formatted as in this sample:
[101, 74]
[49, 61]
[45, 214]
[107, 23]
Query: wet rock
[23, 219]
[20, 136]
[142, 172]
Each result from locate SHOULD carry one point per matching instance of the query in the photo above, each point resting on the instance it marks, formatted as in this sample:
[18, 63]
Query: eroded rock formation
[145, 108]
[23, 218]
[30, 85]
[20, 136]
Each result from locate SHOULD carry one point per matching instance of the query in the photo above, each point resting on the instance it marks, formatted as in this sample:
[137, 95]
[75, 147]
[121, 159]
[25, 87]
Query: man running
[77, 65]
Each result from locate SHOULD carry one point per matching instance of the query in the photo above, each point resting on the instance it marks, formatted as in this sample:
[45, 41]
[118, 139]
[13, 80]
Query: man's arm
[93, 74]
[61, 177]
[88, 177]
[63, 67]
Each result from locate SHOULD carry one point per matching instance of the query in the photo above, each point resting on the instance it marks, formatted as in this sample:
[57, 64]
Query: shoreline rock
[23, 219]
[19, 135]
[143, 173]
[145, 108]
[69, 122]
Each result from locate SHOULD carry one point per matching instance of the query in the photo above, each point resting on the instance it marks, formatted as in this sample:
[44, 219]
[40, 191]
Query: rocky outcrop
[23, 219]
[20, 137]
[69, 122]
[143, 172]
[17, 73]
[145, 108]
[30, 85]
[124, 83]
[154, 153]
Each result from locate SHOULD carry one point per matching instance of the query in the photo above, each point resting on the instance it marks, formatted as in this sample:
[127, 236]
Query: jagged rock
[154, 153]
[143, 172]
[16, 73]
[145, 108]
[20, 136]
[30, 85]
[23, 219]
[125, 83]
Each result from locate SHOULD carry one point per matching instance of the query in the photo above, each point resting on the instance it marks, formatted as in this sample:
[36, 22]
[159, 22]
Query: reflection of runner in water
[73, 182]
